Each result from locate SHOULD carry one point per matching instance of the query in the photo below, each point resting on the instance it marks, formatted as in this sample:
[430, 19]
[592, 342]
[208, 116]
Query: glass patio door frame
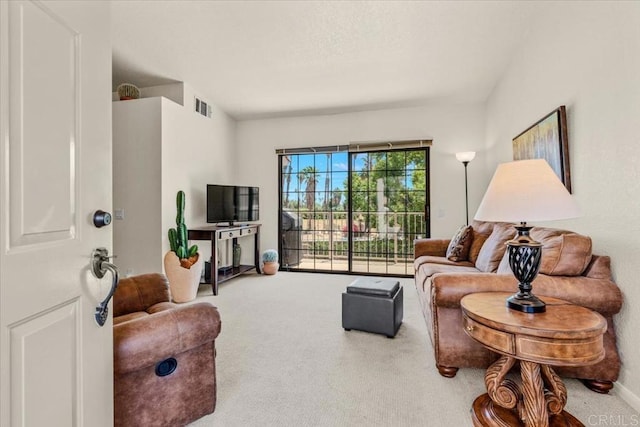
[370, 233]
[352, 240]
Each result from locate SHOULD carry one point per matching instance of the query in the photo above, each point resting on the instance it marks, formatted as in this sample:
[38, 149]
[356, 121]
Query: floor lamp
[465, 157]
[522, 191]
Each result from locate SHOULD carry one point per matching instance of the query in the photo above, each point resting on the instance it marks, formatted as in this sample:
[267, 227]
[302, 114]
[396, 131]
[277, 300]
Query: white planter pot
[183, 282]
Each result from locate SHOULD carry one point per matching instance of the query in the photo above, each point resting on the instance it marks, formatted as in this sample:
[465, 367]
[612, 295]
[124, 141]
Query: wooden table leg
[496, 408]
[502, 391]
[557, 392]
[533, 410]
[506, 404]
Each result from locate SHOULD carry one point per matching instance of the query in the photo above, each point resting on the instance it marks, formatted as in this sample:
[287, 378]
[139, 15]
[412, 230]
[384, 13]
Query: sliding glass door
[313, 211]
[388, 205]
[355, 212]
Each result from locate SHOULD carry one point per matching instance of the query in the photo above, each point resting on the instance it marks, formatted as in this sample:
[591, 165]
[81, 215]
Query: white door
[55, 171]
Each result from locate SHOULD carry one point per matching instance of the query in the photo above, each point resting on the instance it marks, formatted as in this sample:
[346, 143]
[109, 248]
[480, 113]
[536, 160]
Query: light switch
[118, 213]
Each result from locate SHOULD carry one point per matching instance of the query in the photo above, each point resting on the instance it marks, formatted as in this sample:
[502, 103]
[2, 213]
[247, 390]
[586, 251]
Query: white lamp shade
[526, 190]
[466, 156]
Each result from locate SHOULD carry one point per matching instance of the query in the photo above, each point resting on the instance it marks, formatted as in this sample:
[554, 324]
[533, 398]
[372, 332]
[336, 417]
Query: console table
[565, 335]
[218, 234]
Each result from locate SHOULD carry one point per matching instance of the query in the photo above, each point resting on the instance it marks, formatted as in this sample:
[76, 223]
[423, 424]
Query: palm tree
[287, 171]
[326, 184]
[309, 175]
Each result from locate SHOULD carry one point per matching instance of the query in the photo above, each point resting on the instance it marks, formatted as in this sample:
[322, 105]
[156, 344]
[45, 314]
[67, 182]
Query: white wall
[196, 151]
[587, 56]
[453, 128]
[157, 152]
[136, 184]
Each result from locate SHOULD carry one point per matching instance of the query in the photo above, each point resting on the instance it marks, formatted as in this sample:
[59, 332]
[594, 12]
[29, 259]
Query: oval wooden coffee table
[565, 335]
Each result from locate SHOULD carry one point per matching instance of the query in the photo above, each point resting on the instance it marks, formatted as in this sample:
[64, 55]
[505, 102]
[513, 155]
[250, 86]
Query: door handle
[99, 266]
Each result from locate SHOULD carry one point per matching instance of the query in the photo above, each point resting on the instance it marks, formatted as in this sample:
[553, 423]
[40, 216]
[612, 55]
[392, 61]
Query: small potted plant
[270, 261]
[182, 264]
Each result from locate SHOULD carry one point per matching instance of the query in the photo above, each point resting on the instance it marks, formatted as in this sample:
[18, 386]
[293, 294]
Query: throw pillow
[460, 244]
[477, 241]
[563, 253]
[494, 247]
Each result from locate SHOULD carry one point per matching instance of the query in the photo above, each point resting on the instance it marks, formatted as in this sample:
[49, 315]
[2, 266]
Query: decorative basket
[128, 91]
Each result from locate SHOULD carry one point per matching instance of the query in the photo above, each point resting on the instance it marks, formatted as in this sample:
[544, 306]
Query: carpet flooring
[283, 359]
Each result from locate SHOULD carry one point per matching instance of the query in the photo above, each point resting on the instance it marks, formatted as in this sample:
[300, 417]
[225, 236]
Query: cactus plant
[178, 241]
[270, 255]
[270, 261]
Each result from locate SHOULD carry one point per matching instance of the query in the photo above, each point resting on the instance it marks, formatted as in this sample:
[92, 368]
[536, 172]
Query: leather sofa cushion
[503, 267]
[429, 269]
[139, 293]
[477, 241]
[564, 253]
[481, 232]
[156, 308]
[494, 247]
[129, 316]
[599, 268]
[430, 259]
[602, 296]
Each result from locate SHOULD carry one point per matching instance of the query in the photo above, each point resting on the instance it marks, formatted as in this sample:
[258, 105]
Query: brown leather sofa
[164, 355]
[568, 271]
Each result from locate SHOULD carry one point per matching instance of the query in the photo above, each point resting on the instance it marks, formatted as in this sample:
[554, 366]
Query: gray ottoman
[373, 305]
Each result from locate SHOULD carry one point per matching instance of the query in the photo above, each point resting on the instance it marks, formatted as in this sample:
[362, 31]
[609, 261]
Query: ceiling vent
[202, 107]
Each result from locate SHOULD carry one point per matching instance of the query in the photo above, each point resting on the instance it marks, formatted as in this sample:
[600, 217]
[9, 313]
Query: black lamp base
[532, 304]
[524, 260]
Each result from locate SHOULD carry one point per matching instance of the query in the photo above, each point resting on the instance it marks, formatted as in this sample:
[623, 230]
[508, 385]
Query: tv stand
[234, 225]
[218, 234]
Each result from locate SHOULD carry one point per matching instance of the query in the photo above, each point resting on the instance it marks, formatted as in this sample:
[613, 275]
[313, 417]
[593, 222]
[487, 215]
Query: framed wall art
[547, 139]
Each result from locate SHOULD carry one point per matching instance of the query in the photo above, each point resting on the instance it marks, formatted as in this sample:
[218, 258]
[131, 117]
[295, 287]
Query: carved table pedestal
[564, 335]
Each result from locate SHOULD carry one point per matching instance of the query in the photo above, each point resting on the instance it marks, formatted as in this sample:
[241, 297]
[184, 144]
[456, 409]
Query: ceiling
[258, 59]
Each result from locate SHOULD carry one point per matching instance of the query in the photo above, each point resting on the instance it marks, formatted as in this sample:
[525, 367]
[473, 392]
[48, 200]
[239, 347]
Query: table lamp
[521, 191]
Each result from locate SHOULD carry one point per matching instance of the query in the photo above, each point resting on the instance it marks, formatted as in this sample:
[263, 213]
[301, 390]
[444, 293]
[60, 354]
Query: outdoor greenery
[388, 198]
[401, 173]
[375, 248]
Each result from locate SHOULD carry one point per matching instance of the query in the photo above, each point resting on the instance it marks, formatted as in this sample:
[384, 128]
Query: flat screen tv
[232, 203]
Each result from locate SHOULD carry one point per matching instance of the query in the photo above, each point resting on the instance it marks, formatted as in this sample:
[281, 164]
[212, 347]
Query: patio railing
[325, 235]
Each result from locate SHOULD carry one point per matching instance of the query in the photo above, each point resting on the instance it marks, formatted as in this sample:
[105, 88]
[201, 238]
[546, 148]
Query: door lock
[101, 218]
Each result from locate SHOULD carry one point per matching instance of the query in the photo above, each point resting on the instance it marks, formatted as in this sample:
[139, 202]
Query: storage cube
[373, 305]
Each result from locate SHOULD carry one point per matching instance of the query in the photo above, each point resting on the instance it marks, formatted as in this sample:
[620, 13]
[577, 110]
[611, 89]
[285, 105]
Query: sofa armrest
[148, 340]
[599, 295]
[433, 247]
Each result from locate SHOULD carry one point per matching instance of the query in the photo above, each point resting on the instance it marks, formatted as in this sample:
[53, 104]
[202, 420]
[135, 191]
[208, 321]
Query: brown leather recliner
[164, 355]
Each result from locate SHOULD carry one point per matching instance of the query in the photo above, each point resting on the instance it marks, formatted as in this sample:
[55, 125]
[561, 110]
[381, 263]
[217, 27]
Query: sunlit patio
[365, 266]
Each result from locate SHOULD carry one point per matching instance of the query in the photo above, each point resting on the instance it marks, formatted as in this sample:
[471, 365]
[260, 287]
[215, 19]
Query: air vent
[202, 107]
